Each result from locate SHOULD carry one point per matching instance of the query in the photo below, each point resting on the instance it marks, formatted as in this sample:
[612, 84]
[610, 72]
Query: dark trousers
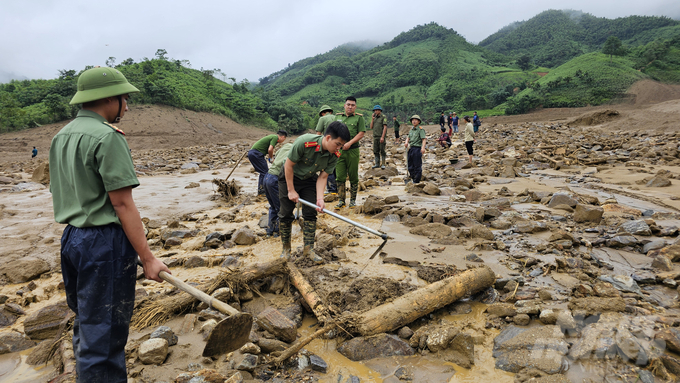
[306, 189]
[415, 163]
[331, 185]
[260, 164]
[271, 191]
[99, 268]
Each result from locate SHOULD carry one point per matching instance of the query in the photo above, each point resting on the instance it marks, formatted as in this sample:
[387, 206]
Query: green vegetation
[29, 103]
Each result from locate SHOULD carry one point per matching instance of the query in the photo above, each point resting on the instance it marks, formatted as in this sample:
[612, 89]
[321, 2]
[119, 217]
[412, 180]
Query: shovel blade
[229, 335]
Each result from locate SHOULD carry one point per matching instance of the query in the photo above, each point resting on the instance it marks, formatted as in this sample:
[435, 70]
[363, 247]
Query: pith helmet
[417, 117]
[377, 107]
[325, 108]
[101, 82]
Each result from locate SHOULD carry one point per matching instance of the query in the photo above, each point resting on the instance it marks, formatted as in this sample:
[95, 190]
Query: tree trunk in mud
[307, 291]
[409, 307]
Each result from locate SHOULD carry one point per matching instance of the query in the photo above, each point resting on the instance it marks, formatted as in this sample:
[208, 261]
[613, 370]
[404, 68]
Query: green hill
[29, 103]
[553, 37]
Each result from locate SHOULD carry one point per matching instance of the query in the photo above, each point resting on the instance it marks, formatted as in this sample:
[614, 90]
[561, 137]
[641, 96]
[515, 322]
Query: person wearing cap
[469, 136]
[379, 126]
[264, 147]
[309, 162]
[348, 164]
[91, 181]
[326, 116]
[416, 139]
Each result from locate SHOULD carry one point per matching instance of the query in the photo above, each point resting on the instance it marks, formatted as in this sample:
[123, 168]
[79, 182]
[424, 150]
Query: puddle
[13, 368]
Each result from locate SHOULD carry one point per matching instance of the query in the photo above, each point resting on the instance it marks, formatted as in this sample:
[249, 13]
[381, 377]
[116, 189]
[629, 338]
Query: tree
[612, 47]
[162, 54]
[128, 61]
[524, 62]
[111, 62]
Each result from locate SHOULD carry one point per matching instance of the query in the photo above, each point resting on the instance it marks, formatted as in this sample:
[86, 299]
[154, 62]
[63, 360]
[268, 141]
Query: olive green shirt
[355, 124]
[396, 125]
[262, 145]
[415, 137]
[323, 123]
[310, 158]
[88, 158]
[378, 123]
[280, 159]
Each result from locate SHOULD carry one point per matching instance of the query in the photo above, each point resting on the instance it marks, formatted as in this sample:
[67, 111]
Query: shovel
[230, 333]
[360, 226]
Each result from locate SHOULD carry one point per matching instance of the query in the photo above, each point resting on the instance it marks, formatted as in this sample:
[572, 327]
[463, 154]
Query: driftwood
[409, 307]
[311, 297]
[155, 312]
[302, 342]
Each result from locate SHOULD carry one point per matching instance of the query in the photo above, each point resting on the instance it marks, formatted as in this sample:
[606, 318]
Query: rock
[172, 241]
[521, 319]
[153, 351]
[658, 182]
[473, 195]
[662, 263]
[164, 332]
[622, 282]
[472, 257]
[529, 227]
[671, 336]
[596, 342]
[244, 236]
[264, 222]
[562, 199]
[213, 243]
[318, 364]
[45, 323]
[622, 241]
[501, 310]
[480, 231]
[250, 348]
[405, 333]
[14, 341]
[588, 213]
[392, 199]
[432, 230]
[653, 245]
[230, 261]
[41, 174]
[596, 305]
[542, 348]
[245, 362]
[431, 189]
[461, 351]
[630, 348]
[24, 269]
[194, 262]
[325, 242]
[439, 338]
[381, 345]
[373, 205]
[638, 227]
[565, 320]
[271, 345]
[192, 185]
[278, 324]
[671, 252]
[388, 172]
[548, 316]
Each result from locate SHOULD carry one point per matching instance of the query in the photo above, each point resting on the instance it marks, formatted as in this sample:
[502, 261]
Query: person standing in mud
[396, 129]
[416, 138]
[348, 164]
[442, 120]
[91, 180]
[379, 126]
[310, 160]
[326, 116]
[476, 122]
[264, 147]
[454, 123]
[271, 189]
[34, 153]
[469, 136]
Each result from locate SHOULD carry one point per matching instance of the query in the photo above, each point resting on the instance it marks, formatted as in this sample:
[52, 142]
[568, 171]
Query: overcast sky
[246, 39]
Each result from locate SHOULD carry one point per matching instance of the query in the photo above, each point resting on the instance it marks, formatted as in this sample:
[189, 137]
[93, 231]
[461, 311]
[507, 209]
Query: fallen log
[158, 311]
[302, 342]
[308, 293]
[409, 307]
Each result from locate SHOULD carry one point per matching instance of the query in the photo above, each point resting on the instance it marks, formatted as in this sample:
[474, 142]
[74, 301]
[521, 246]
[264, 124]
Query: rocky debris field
[578, 228]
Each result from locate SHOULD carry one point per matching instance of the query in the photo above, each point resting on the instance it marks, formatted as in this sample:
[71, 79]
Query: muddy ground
[576, 212]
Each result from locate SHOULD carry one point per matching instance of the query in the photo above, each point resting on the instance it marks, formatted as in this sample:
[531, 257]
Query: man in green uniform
[326, 116]
[379, 126]
[264, 147]
[91, 180]
[310, 154]
[415, 142]
[348, 164]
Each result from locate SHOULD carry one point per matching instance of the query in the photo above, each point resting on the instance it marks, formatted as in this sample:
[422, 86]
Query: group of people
[471, 128]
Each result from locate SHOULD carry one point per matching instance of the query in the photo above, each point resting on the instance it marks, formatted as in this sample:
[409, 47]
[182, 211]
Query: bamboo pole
[308, 293]
[302, 342]
[409, 307]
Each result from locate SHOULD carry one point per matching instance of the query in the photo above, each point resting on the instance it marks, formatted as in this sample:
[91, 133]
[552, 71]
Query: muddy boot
[383, 163]
[377, 163]
[354, 189]
[342, 195]
[309, 232]
[285, 230]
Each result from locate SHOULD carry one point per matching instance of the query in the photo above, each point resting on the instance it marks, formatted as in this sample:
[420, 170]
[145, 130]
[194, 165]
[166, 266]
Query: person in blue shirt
[454, 123]
[476, 122]
[34, 153]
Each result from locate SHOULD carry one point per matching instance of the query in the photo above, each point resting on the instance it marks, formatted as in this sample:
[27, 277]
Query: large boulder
[637, 227]
[431, 189]
[244, 236]
[373, 205]
[381, 345]
[41, 174]
[562, 199]
[588, 213]
[153, 351]
[542, 348]
[658, 182]
[481, 231]
[14, 341]
[45, 323]
[432, 230]
[24, 269]
[388, 172]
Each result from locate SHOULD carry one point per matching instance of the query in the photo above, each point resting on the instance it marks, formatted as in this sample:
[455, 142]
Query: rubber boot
[285, 230]
[309, 232]
[377, 163]
[342, 195]
[383, 163]
[354, 189]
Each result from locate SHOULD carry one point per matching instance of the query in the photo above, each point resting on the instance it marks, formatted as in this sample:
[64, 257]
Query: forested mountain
[553, 37]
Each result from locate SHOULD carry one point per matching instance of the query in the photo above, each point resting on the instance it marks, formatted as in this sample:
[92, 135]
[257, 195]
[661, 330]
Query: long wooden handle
[198, 294]
[235, 166]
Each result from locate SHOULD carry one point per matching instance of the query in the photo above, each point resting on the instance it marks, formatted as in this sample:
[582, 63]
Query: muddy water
[13, 368]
